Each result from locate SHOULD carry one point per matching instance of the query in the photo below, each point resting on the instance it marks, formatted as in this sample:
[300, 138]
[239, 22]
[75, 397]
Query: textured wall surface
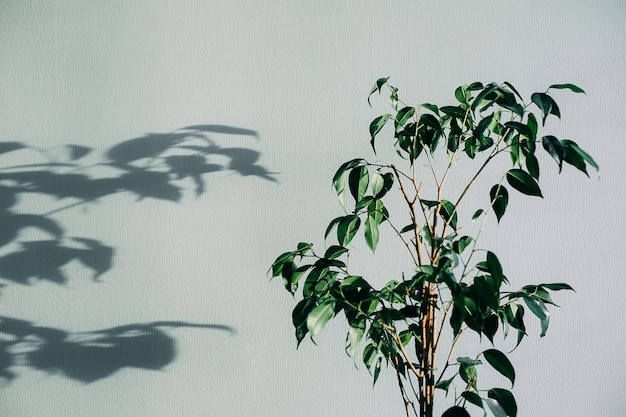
[156, 156]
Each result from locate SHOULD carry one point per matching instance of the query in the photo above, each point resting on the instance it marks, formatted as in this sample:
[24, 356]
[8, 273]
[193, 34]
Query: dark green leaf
[339, 179]
[505, 399]
[448, 213]
[521, 128]
[445, 384]
[508, 84]
[404, 115]
[499, 200]
[477, 214]
[459, 245]
[358, 180]
[377, 86]
[573, 153]
[539, 309]
[375, 127]
[454, 111]
[571, 87]
[523, 182]
[500, 363]
[347, 228]
[335, 251]
[473, 398]
[555, 148]
[544, 102]
[431, 107]
[532, 165]
[456, 411]
[557, 286]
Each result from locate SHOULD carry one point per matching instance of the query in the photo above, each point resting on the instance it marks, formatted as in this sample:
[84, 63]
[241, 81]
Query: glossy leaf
[499, 200]
[404, 115]
[473, 398]
[339, 179]
[555, 148]
[358, 180]
[319, 316]
[532, 165]
[505, 399]
[577, 157]
[347, 228]
[334, 251]
[500, 363]
[544, 102]
[495, 407]
[539, 309]
[523, 182]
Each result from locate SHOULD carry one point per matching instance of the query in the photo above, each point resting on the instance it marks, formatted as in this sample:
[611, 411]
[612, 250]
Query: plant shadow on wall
[160, 166]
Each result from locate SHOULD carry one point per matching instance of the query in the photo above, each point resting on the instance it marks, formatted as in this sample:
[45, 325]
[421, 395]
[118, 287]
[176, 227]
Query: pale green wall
[98, 73]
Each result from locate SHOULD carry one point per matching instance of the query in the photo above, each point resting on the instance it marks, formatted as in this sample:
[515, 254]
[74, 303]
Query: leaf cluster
[454, 284]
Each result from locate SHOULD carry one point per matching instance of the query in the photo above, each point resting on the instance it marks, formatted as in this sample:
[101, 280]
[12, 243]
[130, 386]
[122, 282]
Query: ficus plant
[454, 287]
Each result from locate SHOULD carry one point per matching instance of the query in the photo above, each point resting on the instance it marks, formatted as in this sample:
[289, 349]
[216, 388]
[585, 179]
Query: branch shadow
[162, 166]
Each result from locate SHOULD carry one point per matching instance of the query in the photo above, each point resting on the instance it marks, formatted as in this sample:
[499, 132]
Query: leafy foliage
[453, 281]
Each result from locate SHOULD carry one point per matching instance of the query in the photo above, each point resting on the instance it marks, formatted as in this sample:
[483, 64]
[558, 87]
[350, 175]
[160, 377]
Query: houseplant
[454, 286]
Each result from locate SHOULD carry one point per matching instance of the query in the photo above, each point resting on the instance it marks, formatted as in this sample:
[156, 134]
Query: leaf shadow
[162, 166]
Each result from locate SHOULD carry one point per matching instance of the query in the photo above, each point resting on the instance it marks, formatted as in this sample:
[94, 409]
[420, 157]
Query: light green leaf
[319, 316]
[371, 231]
[500, 363]
[404, 114]
[355, 334]
[523, 182]
[495, 407]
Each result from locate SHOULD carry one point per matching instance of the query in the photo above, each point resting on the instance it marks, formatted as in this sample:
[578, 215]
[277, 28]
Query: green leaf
[539, 309]
[456, 411]
[347, 228]
[495, 407]
[532, 165]
[499, 200]
[523, 182]
[473, 398]
[335, 251]
[445, 384]
[448, 213]
[571, 87]
[477, 214]
[500, 363]
[358, 180]
[557, 286]
[375, 127]
[544, 102]
[459, 245]
[339, 179]
[377, 86]
[574, 153]
[355, 334]
[521, 128]
[495, 268]
[319, 316]
[505, 399]
[555, 148]
[532, 125]
[404, 114]
[371, 231]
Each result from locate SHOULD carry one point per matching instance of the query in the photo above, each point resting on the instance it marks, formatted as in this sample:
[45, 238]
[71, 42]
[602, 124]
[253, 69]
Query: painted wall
[150, 295]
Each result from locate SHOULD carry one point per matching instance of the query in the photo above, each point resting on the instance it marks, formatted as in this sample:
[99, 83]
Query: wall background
[278, 88]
